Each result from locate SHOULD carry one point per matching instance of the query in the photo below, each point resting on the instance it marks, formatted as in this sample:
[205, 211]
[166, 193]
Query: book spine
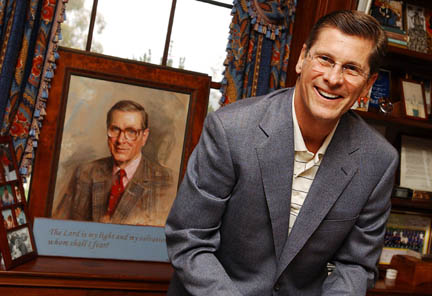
[395, 30]
[397, 36]
[395, 41]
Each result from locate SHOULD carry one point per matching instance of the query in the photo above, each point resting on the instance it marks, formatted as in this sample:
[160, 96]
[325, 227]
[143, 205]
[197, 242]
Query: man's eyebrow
[127, 127]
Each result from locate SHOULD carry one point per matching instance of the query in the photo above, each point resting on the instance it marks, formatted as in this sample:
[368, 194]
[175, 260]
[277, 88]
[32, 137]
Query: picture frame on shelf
[364, 5]
[175, 101]
[416, 28]
[406, 234]
[17, 244]
[413, 173]
[389, 13]
[414, 104]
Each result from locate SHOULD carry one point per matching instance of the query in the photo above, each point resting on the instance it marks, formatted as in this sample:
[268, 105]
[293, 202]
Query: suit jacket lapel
[336, 170]
[100, 189]
[275, 156]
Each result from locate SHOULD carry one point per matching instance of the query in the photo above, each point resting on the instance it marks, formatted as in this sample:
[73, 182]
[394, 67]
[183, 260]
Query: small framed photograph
[7, 198]
[17, 243]
[389, 13]
[416, 28]
[20, 243]
[20, 215]
[413, 97]
[7, 170]
[8, 220]
[18, 193]
[406, 234]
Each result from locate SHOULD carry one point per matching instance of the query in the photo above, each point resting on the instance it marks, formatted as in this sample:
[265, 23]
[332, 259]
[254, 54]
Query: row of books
[407, 25]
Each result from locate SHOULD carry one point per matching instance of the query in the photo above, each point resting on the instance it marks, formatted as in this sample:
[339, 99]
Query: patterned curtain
[258, 48]
[28, 31]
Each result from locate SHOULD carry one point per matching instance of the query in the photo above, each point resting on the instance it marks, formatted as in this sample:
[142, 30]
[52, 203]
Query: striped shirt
[306, 165]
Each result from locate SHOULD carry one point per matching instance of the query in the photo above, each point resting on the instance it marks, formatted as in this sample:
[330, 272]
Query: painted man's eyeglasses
[130, 134]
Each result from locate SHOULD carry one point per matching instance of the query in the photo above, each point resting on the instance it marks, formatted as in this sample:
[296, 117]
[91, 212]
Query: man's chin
[119, 159]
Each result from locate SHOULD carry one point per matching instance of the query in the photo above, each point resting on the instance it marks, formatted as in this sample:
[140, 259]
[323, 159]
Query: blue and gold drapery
[28, 31]
[258, 48]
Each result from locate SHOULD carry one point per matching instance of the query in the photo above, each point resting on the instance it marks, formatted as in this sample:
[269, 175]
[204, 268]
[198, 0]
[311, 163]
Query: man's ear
[145, 136]
[301, 59]
[370, 82]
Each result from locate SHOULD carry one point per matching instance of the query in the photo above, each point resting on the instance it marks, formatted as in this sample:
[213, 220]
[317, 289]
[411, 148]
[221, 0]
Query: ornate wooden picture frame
[84, 87]
[16, 237]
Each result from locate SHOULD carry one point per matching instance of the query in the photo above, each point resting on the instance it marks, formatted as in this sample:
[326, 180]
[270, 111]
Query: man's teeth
[327, 95]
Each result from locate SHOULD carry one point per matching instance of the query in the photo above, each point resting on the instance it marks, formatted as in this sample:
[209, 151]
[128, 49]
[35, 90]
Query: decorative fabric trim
[258, 48]
[266, 23]
[43, 92]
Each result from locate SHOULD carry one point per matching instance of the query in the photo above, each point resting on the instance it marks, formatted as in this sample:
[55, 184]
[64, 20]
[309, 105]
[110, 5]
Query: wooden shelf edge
[400, 121]
[59, 272]
[409, 204]
[409, 53]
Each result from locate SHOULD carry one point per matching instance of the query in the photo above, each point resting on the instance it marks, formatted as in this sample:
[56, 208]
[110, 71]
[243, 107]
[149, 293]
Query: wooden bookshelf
[72, 276]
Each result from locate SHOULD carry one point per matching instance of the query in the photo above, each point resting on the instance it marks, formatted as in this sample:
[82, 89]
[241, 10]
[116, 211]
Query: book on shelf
[394, 30]
[380, 89]
[397, 36]
[395, 42]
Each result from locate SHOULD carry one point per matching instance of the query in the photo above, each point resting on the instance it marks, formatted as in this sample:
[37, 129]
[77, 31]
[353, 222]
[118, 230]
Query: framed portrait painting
[116, 139]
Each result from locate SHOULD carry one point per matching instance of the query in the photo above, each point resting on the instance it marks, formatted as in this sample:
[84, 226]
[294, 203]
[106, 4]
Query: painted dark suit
[142, 203]
[235, 240]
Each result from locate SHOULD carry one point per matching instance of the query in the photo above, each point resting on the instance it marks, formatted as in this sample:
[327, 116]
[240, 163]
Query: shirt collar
[299, 144]
[130, 168]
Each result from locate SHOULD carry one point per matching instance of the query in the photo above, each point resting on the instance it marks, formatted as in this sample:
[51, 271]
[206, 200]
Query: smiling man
[126, 188]
[279, 186]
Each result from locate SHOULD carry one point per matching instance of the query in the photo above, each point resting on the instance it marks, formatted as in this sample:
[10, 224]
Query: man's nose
[121, 137]
[334, 75]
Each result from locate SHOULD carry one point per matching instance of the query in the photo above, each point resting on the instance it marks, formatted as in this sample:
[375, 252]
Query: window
[186, 34]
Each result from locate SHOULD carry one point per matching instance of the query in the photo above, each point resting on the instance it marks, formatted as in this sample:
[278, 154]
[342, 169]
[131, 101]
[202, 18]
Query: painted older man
[125, 188]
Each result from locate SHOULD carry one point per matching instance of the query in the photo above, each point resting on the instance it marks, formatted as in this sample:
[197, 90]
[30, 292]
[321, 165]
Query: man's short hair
[354, 23]
[128, 106]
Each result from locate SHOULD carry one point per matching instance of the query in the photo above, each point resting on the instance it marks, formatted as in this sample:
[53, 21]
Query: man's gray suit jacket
[227, 232]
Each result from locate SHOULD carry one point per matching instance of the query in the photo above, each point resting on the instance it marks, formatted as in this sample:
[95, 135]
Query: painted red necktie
[116, 192]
